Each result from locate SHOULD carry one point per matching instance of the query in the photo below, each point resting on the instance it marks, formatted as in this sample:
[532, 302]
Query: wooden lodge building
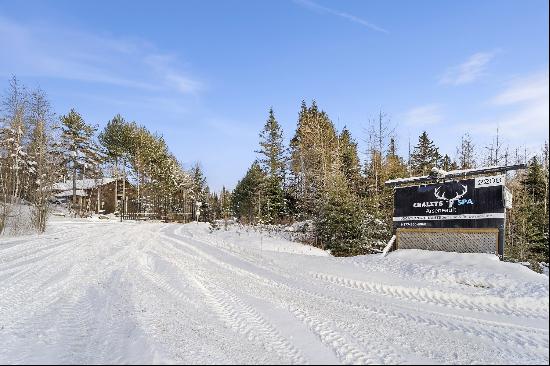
[101, 195]
[105, 196]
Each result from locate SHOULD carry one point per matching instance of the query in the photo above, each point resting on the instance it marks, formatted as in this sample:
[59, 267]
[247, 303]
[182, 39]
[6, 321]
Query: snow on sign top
[439, 174]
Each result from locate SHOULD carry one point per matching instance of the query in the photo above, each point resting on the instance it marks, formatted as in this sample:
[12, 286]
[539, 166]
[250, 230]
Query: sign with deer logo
[460, 203]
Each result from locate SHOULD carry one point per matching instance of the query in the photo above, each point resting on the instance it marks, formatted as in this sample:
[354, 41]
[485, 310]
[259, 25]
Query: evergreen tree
[379, 198]
[199, 187]
[534, 185]
[349, 158]
[273, 202]
[273, 162]
[527, 238]
[314, 149]
[447, 164]
[247, 198]
[115, 140]
[425, 155]
[272, 157]
[226, 205]
[215, 208]
[339, 222]
[78, 146]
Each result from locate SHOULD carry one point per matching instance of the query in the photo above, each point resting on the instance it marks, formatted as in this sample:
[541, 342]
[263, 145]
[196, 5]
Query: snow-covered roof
[88, 183]
[69, 193]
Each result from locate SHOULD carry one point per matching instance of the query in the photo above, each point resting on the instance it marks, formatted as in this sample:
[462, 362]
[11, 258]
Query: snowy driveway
[109, 292]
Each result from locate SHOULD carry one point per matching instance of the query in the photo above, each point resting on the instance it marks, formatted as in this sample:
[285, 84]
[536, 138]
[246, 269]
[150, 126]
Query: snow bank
[248, 238]
[471, 274]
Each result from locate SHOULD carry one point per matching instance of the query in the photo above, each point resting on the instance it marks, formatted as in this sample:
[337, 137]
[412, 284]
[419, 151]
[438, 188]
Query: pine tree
[527, 238]
[272, 160]
[339, 223]
[215, 211]
[225, 203]
[349, 158]
[199, 187]
[272, 153]
[314, 149]
[447, 164]
[425, 155]
[115, 139]
[393, 167]
[534, 184]
[77, 143]
[247, 195]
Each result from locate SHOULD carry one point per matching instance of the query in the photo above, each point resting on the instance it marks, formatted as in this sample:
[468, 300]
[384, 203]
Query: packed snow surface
[101, 291]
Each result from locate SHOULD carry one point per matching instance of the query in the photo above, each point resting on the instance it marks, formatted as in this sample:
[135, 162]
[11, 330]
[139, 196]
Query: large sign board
[469, 203]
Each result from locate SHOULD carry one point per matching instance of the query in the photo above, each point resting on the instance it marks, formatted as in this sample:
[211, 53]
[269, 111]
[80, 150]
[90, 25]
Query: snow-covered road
[110, 292]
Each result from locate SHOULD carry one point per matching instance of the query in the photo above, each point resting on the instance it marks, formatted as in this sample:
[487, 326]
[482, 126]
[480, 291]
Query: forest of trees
[320, 178]
[38, 149]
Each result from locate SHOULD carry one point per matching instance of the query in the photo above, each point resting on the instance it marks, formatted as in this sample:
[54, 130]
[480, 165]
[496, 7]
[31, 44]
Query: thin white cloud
[51, 51]
[521, 110]
[529, 89]
[323, 9]
[468, 71]
[423, 115]
[163, 66]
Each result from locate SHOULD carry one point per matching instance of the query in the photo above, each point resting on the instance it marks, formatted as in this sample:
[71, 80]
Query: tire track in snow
[25, 256]
[240, 317]
[493, 305]
[493, 333]
[347, 350]
[497, 332]
[343, 348]
[69, 275]
[247, 321]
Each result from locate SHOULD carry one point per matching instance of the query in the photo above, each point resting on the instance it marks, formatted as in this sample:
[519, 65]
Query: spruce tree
[425, 155]
[273, 162]
[199, 187]
[314, 149]
[246, 199]
[447, 164]
[339, 222]
[349, 158]
[534, 184]
[272, 153]
[226, 205]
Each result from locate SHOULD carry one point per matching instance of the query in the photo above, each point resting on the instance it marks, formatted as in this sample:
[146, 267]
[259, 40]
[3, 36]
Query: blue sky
[205, 73]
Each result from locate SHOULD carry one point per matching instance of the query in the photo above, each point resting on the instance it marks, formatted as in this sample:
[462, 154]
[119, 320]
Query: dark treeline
[320, 177]
[38, 149]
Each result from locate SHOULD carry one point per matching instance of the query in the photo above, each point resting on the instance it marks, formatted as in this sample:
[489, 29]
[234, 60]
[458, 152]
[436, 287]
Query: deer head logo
[458, 195]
